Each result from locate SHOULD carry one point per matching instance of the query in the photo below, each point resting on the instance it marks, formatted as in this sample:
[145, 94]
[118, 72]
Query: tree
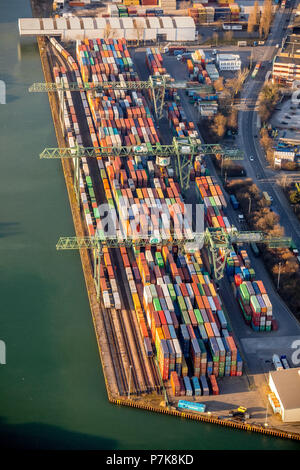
[216, 38]
[267, 100]
[107, 33]
[139, 28]
[228, 35]
[235, 84]
[219, 125]
[266, 19]
[219, 84]
[295, 197]
[253, 18]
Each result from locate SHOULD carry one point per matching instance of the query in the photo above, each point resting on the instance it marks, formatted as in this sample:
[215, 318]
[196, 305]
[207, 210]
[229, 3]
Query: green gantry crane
[184, 150]
[157, 85]
[217, 241]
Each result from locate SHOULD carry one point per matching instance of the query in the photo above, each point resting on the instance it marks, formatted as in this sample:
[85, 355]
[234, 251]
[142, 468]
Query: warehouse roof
[48, 26]
[184, 22]
[228, 57]
[287, 383]
[287, 60]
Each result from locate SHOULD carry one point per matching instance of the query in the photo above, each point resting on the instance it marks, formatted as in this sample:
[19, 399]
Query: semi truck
[277, 362]
[234, 202]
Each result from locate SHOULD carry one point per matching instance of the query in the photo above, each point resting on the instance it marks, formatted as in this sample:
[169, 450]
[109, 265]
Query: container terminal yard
[162, 325]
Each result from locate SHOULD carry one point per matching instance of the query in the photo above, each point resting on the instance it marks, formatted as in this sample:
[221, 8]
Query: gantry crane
[185, 151]
[157, 85]
[217, 241]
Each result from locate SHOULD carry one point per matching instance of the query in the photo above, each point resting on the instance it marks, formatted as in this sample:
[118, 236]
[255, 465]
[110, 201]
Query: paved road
[248, 141]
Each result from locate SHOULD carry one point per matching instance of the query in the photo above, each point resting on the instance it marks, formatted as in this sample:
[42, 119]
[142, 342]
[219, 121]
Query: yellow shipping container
[158, 335]
[215, 222]
[212, 289]
[160, 193]
[139, 193]
[136, 301]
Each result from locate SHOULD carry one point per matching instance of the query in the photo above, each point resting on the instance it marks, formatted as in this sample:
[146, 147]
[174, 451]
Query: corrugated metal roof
[74, 23]
[184, 22]
[29, 23]
[48, 23]
[153, 22]
[88, 23]
[287, 383]
[61, 23]
[100, 23]
[127, 23]
[167, 22]
[175, 28]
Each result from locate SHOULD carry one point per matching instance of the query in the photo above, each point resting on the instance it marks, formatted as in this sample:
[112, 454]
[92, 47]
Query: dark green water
[52, 392]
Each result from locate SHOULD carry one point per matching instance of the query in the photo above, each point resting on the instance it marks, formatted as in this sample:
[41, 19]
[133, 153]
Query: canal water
[52, 393]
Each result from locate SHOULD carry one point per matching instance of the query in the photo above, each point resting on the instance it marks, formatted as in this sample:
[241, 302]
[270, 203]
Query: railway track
[107, 315]
[121, 326]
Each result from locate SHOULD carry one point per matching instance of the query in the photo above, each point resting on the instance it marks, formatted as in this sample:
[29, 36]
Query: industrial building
[229, 62]
[132, 29]
[285, 388]
[286, 65]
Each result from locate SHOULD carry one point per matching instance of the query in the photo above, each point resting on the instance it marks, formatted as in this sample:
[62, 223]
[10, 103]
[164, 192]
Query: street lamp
[129, 381]
[249, 209]
[278, 278]
[266, 419]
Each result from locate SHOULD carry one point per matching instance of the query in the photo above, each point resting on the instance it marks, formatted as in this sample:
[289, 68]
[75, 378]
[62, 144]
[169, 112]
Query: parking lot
[286, 119]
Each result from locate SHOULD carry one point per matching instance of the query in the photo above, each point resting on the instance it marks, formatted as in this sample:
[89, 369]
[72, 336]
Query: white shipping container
[117, 300]
[106, 300]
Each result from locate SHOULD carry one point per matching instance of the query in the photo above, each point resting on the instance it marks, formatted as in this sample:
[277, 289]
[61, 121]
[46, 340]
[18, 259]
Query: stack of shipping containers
[250, 293]
[177, 307]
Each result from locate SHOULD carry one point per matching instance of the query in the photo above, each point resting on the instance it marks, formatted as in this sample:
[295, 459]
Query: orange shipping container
[209, 330]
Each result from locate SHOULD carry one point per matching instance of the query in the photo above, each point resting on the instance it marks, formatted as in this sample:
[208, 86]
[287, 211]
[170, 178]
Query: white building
[285, 384]
[285, 154]
[229, 62]
[131, 28]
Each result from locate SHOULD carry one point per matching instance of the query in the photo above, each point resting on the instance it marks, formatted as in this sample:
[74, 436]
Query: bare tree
[108, 33]
[219, 125]
[219, 84]
[216, 38]
[139, 28]
[228, 35]
[235, 84]
[253, 18]
[266, 19]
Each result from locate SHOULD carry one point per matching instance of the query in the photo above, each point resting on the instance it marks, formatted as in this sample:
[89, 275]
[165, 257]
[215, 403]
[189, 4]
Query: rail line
[121, 326]
[106, 314]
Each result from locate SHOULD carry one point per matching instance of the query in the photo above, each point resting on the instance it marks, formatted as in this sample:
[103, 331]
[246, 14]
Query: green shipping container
[159, 259]
[172, 292]
[181, 303]
[89, 182]
[186, 317]
[201, 290]
[198, 316]
[255, 304]
[244, 293]
[156, 304]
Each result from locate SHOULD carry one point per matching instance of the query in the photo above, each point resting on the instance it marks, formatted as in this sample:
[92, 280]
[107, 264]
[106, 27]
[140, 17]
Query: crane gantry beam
[217, 241]
[157, 85]
[183, 150]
